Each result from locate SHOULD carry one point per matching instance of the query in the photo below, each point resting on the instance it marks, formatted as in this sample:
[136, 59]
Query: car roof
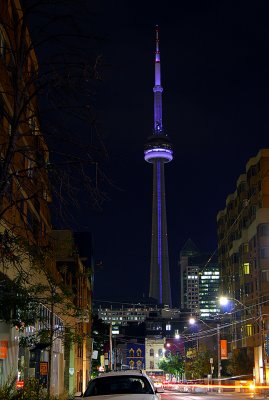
[122, 372]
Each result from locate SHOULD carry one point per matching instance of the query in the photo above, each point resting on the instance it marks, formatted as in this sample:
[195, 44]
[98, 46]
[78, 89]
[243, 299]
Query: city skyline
[85, 223]
[215, 110]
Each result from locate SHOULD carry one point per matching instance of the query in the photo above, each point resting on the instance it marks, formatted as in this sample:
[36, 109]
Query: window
[138, 352]
[32, 125]
[264, 252]
[246, 268]
[168, 327]
[265, 276]
[3, 46]
[245, 248]
[151, 353]
[249, 330]
[168, 353]
[264, 230]
[29, 167]
[131, 352]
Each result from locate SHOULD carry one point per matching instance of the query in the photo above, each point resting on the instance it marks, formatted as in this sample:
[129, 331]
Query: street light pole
[249, 311]
[110, 347]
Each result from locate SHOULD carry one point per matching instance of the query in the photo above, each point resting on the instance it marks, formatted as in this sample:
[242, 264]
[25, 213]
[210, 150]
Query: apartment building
[243, 257]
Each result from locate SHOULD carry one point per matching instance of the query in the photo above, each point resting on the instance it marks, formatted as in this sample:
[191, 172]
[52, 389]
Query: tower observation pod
[158, 151]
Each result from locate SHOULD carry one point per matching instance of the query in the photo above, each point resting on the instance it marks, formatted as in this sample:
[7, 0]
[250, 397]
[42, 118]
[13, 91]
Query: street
[170, 395]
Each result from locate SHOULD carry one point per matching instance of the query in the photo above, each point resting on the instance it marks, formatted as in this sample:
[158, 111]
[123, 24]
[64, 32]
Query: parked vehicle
[131, 385]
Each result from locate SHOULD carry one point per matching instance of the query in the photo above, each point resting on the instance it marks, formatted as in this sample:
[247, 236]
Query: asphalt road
[170, 395]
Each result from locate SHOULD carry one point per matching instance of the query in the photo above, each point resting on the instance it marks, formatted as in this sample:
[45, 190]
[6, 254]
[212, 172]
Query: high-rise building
[158, 151]
[199, 281]
[243, 257]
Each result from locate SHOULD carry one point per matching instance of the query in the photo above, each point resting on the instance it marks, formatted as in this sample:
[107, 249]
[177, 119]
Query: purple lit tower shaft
[158, 151]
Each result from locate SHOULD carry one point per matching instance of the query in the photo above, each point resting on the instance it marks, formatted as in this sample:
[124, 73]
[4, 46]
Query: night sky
[215, 75]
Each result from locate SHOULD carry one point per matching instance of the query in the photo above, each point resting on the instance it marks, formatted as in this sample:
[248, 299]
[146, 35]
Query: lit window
[246, 268]
[249, 330]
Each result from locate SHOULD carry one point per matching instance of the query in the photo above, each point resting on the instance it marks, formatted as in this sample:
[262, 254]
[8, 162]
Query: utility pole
[219, 358]
[110, 346]
[115, 353]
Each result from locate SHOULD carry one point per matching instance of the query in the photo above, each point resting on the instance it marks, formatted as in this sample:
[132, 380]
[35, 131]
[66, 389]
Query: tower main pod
[158, 151]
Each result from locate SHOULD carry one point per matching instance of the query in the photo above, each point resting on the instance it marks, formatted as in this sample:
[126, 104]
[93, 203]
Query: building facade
[154, 351]
[24, 190]
[243, 251]
[135, 357]
[124, 315]
[32, 339]
[76, 272]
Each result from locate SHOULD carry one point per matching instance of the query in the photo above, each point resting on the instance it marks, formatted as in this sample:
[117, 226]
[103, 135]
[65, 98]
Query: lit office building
[199, 274]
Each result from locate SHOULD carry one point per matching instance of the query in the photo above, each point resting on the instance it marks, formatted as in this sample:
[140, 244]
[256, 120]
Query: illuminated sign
[223, 349]
[115, 330]
[3, 348]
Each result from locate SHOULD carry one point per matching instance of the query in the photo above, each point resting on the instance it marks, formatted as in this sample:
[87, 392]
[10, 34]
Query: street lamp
[192, 320]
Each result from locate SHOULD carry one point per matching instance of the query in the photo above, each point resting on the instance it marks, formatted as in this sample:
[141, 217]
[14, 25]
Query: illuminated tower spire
[158, 151]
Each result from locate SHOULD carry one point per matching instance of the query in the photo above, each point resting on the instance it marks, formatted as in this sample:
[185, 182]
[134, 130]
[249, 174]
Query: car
[157, 385]
[130, 384]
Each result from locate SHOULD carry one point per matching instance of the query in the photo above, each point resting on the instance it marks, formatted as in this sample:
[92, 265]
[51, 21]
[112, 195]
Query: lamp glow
[223, 300]
[192, 321]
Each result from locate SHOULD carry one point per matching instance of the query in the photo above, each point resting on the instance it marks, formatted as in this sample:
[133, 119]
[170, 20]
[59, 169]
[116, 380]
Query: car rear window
[118, 385]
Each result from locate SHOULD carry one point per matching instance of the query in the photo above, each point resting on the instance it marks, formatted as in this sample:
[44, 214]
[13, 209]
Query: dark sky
[215, 75]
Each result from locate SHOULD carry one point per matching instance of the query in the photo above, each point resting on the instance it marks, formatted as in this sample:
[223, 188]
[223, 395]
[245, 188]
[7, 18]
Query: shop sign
[3, 348]
[43, 368]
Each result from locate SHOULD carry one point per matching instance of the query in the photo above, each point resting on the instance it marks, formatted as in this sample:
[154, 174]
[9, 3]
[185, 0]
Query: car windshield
[118, 385]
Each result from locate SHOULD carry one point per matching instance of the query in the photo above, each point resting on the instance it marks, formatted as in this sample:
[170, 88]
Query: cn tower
[158, 151]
